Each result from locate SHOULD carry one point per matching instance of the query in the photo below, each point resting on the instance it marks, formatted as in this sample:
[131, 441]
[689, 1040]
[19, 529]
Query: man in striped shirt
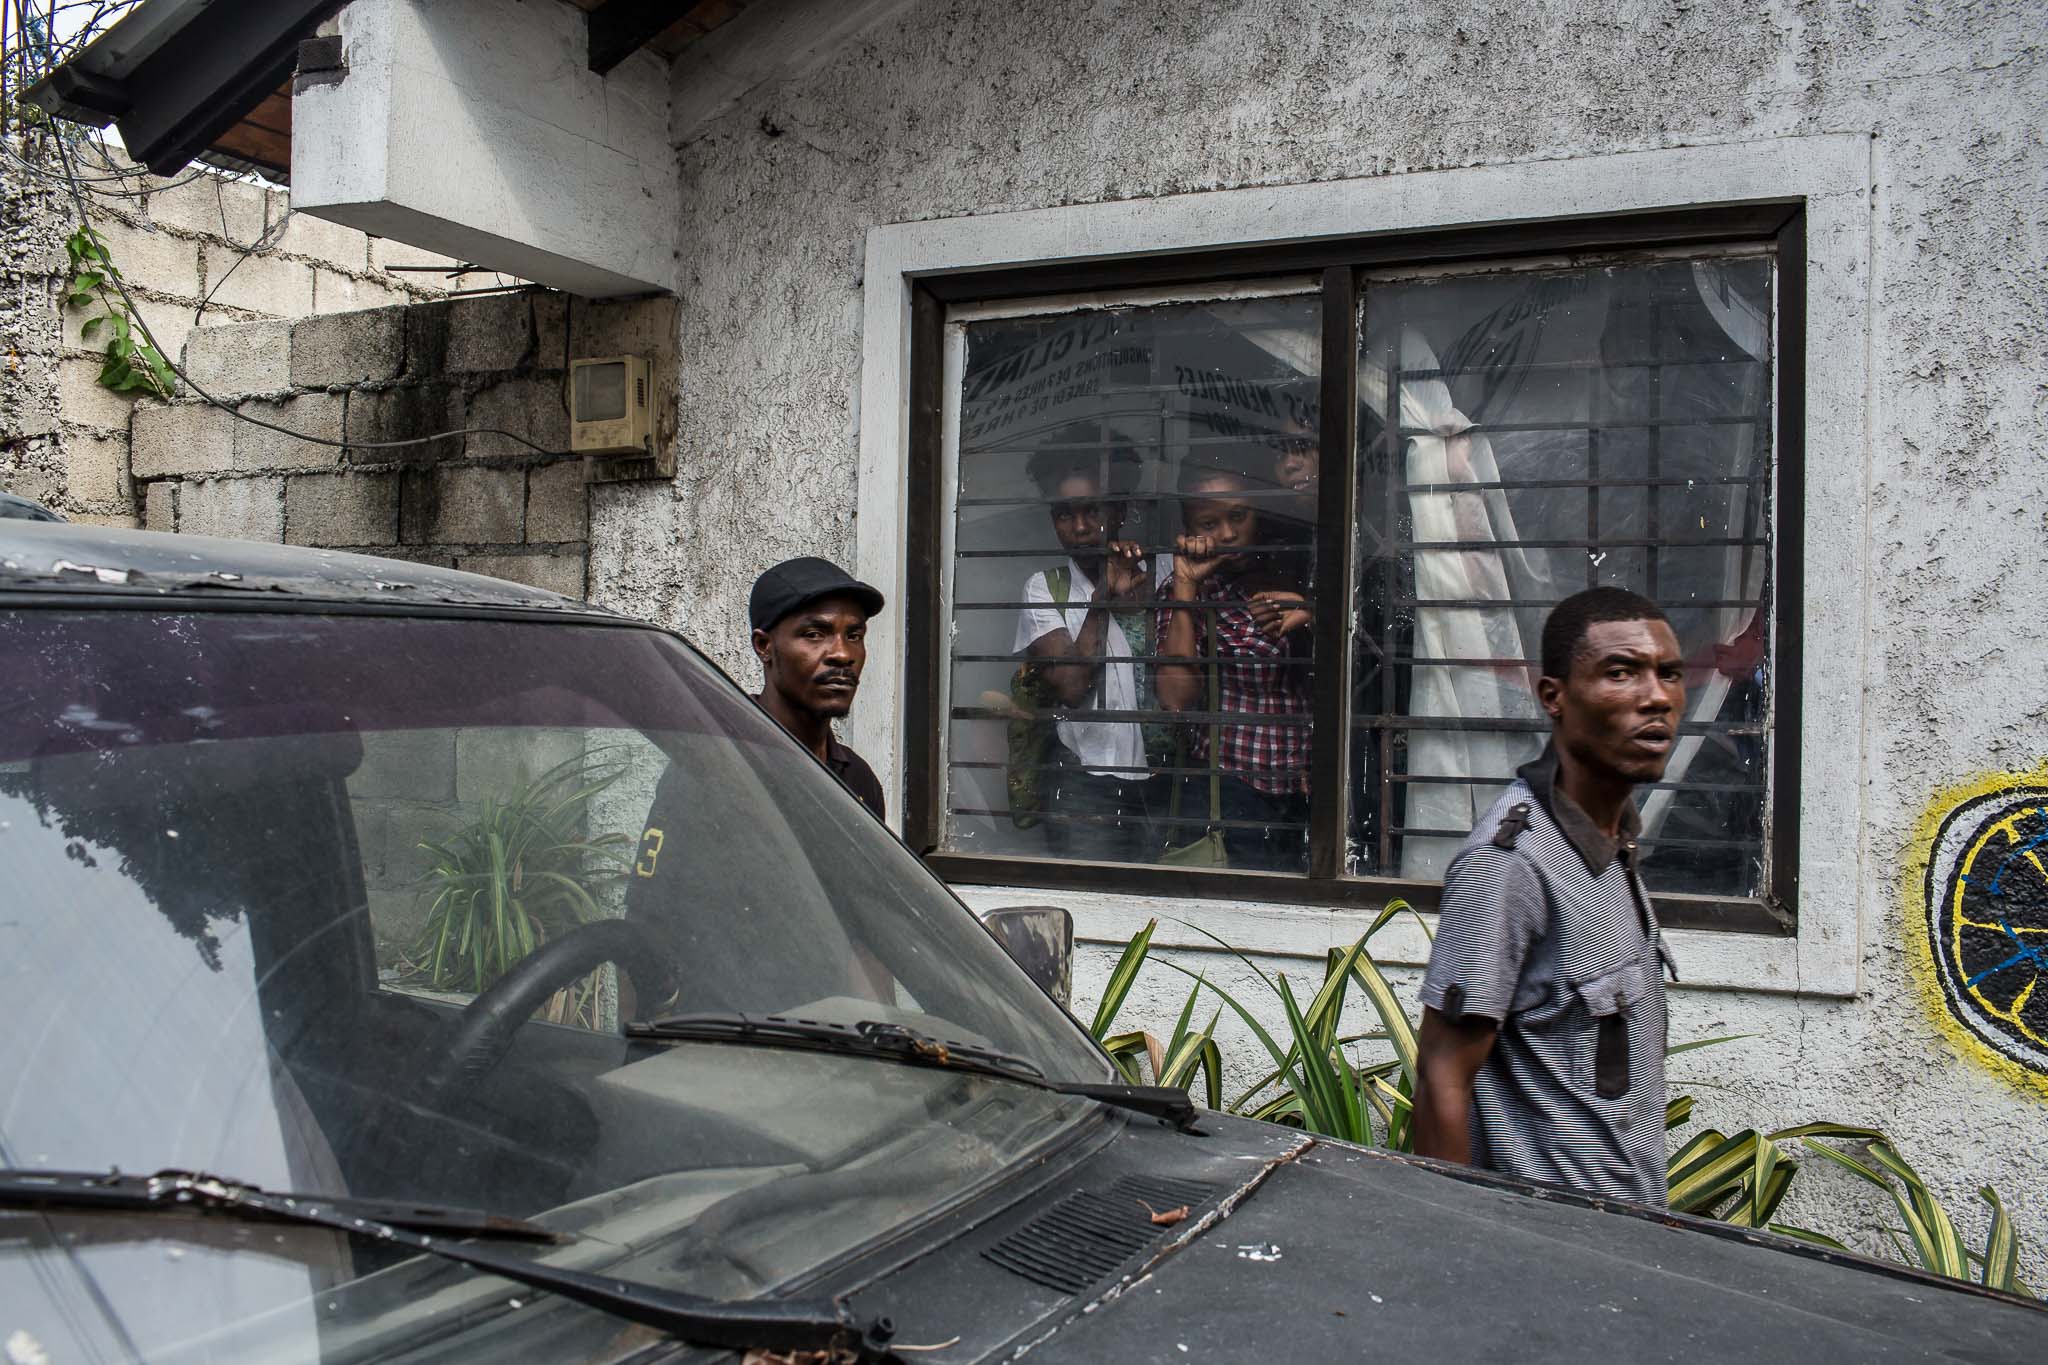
[1543, 1032]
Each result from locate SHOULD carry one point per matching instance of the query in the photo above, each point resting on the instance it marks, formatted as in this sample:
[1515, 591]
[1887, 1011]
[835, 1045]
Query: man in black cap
[810, 633]
[810, 620]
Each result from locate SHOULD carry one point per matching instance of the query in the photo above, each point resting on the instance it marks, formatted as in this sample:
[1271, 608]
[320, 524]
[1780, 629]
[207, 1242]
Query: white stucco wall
[946, 110]
[476, 129]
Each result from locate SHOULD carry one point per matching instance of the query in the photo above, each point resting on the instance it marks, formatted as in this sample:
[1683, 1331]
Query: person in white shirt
[1085, 621]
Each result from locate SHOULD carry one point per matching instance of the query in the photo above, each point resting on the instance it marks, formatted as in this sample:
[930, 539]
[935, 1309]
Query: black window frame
[1339, 265]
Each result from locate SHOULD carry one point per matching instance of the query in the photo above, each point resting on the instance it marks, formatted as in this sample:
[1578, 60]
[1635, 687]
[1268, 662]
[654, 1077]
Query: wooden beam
[619, 28]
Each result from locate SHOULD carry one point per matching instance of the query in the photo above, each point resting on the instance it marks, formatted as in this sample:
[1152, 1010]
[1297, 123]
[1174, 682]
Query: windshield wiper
[111, 1191]
[773, 1325]
[894, 1042]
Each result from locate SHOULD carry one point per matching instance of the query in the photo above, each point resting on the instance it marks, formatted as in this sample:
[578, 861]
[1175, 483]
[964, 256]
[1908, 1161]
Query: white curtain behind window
[1442, 448]
[1448, 451]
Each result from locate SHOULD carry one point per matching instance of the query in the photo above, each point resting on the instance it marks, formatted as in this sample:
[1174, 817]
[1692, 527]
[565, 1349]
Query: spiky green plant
[1185, 1054]
[1314, 1085]
[517, 874]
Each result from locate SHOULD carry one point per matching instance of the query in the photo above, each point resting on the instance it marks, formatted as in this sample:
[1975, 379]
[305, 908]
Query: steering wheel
[484, 1032]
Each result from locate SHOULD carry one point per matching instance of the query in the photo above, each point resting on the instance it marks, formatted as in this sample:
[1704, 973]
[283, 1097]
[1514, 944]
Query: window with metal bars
[1242, 589]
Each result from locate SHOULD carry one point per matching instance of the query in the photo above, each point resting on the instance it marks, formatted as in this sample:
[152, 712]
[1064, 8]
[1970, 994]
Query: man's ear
[762, 646]
[1549, 692]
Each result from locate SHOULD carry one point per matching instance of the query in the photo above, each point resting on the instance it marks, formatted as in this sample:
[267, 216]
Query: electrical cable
[54, 179]
[121, 287]
[267, 239]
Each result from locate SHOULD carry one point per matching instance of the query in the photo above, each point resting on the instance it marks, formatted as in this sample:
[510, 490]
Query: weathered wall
[973, 106]
[199, 249]
[480, 502]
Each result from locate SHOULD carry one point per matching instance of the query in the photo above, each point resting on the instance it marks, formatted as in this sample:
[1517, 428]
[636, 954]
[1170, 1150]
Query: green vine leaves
[132, 364]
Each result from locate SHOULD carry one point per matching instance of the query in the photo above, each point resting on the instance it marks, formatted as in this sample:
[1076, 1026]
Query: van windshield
[360, 905]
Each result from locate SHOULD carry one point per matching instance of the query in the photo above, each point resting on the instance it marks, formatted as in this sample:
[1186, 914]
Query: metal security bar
[1358, 764]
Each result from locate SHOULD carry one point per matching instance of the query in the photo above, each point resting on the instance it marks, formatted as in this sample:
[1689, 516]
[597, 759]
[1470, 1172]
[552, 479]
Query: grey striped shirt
[1553, 938]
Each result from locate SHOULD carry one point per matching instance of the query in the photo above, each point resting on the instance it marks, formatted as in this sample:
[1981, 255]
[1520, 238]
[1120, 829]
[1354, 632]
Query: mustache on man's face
[834, 676]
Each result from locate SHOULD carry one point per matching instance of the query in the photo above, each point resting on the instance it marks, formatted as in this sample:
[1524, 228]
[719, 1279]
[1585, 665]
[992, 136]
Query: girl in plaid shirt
[1256, 627]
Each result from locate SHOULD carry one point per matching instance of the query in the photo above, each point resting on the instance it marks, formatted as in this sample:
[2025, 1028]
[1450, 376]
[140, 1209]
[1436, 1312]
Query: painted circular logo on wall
[1987, 920]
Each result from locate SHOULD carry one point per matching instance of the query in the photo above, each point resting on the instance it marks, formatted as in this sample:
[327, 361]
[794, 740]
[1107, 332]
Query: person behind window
[1084, 622]
[1241, 617]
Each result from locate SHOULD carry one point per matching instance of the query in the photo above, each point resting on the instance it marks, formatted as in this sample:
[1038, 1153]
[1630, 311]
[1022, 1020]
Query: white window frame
[1835, 174]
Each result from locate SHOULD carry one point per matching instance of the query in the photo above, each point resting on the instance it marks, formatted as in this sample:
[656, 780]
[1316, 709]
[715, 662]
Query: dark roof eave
[197, 72]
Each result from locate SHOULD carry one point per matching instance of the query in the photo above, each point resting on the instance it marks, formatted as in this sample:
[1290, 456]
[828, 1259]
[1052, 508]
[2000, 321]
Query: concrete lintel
[476, 245]
[475, 130]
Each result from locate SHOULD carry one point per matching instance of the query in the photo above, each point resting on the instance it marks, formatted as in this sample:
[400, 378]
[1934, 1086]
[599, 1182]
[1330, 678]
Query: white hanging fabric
[1446, 450]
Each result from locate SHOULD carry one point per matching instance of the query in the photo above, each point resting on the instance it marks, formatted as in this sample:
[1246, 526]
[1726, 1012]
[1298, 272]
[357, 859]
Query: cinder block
[74, 320]
[418, 501]
[96, 470]
[160, 505]
[309, 414]
[168, 324]
[646, 326]
[37, 485]
[230, 360]
[348, 348]
[154, 259]
[341, 509]
[486, 765]
[532, 406]
[555, 573]
[427, 329]
[180, 438]
[121, 520]
[211, 205]
[417, 765]
[405, 413]
[337, 293]
[257, 283]
[243, 509]
[305, 235]
[36, 326]
[551, 328]
[28, 398]
[83, 400]
[477, 506]
[558, 502]
[490, 333]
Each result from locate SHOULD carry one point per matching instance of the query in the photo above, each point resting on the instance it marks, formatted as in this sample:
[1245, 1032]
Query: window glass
[1132, 551]
[1526, 435]
[217, 954]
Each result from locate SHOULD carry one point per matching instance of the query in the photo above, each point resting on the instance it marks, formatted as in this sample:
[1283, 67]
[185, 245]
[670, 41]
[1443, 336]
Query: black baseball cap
[794, 582]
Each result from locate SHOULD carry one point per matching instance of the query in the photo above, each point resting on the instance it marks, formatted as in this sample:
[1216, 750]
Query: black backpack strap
[1511, 826]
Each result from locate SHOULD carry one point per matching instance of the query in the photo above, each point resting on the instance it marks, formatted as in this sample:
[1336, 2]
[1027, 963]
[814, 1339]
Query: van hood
[1307, 1249]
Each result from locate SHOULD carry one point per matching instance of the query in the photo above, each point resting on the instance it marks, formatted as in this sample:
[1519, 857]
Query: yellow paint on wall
[1913, 893]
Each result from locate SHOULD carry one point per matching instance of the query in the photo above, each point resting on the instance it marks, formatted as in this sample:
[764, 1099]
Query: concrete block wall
[473, 387]
[197, 250]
